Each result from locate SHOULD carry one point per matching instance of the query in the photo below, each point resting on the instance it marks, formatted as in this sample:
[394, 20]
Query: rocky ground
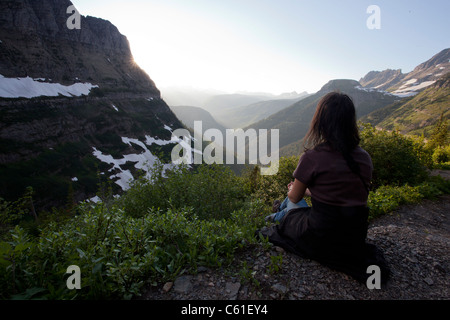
[415, 240]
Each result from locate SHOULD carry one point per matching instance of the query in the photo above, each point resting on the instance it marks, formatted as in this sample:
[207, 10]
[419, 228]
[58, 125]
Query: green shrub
[118, 254]
[441, 155]
[213, 191]
[13, 213]
[386, 199]
[395, 157]
[271, 187]
[423, 151]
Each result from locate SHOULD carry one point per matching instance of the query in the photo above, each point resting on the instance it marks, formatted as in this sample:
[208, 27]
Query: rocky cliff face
[59, 142]
[36, 42]
[409, 84]
[382, 80]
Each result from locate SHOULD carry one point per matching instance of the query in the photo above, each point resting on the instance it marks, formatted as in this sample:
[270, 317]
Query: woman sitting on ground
[336, 172]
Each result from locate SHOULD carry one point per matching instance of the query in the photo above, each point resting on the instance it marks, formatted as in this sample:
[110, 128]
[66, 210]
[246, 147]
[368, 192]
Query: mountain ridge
[293, 122]
[416, 114]
[35, 38]
[60, 143]
[422, 76]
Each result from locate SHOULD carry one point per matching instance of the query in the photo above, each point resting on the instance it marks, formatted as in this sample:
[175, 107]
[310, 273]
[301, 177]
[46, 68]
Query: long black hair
[334, 124]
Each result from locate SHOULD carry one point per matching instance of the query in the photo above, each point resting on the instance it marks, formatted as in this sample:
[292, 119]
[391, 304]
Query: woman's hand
[289, 186]
[296, 191]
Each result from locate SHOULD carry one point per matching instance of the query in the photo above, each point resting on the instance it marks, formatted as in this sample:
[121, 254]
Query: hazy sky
[273, 45]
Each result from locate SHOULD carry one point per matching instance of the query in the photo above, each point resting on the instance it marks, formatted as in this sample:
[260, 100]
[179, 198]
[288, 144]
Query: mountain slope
[36, 42]
[240, 109]
[220, 105]
[243, 116]
[293, 122]
[411, 83]
[56, 137]
[419, 113]
[188, 115]
[382, 80]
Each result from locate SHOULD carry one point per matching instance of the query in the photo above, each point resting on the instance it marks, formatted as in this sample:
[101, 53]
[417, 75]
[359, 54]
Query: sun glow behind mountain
[187, 49]
[272, 46]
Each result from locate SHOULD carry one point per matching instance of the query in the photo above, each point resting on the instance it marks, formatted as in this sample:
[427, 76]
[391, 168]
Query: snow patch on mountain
[406, 90]
[142, 161]
[370, 89]
[31, 88]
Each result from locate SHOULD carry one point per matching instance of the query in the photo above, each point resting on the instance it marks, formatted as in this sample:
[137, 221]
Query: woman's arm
[297, 191]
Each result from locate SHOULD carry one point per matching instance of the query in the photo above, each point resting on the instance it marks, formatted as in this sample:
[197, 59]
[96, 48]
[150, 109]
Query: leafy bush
[388, 198]
[385, 199]
[119, 254]
[395, 157]
[271, 187]
[441, 155]
[214, 191]
[13, 213]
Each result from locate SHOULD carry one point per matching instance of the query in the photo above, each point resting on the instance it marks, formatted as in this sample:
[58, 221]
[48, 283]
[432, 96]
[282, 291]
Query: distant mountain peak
[381, 79]
[400, 84]
[291, 95]
[339, 85]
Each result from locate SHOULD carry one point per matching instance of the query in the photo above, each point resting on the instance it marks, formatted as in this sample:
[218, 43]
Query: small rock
[279, 249]
[280, 288]
[183, 284]
[232, 289]
[413, 260]
[167, 287]
[321, 287]
[202, 269]
[428, 281]
[438, 267]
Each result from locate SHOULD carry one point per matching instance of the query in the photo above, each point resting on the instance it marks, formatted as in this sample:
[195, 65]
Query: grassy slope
[417, 114]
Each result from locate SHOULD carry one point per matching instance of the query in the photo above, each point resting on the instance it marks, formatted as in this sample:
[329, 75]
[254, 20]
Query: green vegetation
[121, 245]
[213, 191]
[416, 115]
[178, 221]
[397, 159]
[385, 199]
[49, 172]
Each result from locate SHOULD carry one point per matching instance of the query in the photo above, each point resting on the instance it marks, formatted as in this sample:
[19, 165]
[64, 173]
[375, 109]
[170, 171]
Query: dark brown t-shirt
[330, 180]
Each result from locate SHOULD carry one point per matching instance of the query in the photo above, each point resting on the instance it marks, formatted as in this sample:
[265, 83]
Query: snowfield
[31, 88]
[143, 161]
[406, 91]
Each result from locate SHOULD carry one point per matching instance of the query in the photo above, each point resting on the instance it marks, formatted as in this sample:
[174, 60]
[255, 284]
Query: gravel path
[415, 240]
